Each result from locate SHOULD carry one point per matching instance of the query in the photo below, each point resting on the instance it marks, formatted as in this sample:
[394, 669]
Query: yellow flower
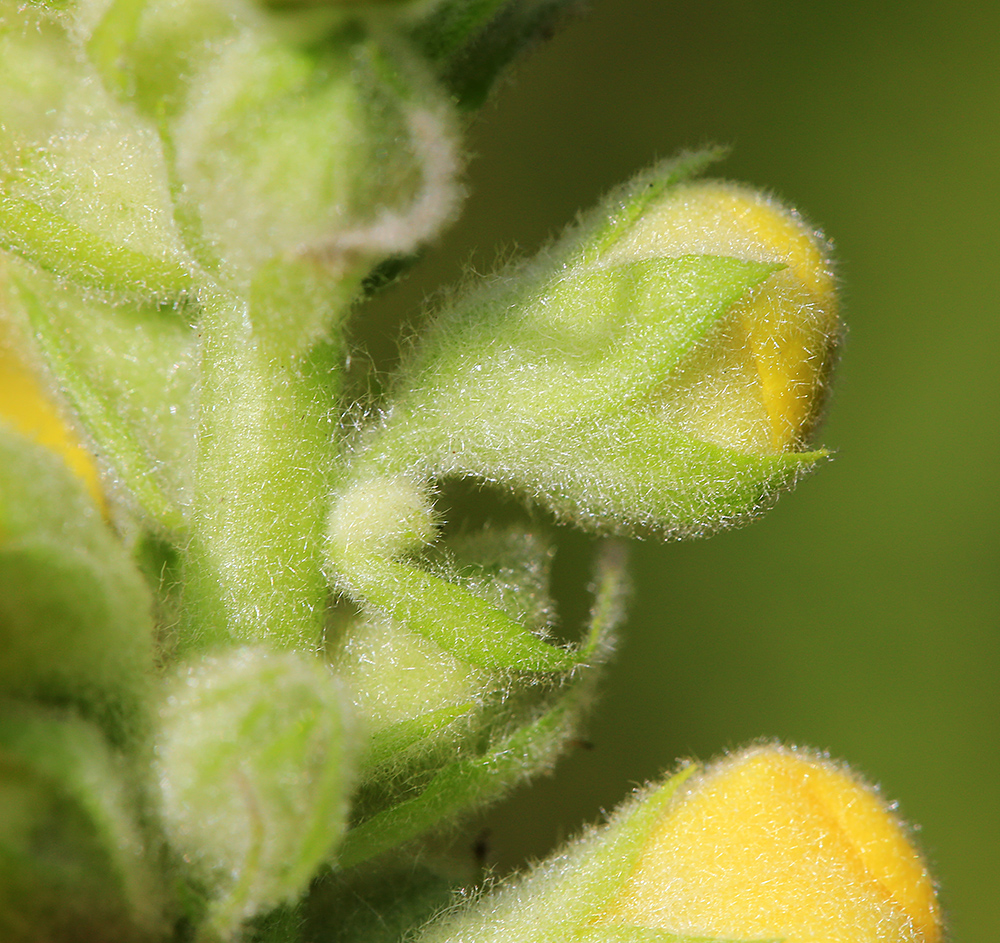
[760, 382]
[778, 843]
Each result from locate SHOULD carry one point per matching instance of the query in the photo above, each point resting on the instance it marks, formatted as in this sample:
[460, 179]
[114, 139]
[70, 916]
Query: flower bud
[761, 383]
[779, 843]
[252, 762]
[658, 368]
[770, 843]
[410, 695]
[414, 780]
[298, 138]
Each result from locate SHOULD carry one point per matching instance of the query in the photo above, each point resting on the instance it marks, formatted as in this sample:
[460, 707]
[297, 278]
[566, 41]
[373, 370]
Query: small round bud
[388, 516]
[251, 760]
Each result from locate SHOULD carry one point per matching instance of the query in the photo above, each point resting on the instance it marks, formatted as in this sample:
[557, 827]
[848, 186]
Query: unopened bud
[767, 844]
[760, 381]
[661, 367]
[251, 760]
[779, 843]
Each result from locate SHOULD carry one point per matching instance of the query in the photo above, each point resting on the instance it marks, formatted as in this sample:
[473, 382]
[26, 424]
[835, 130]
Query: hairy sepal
[75, 614]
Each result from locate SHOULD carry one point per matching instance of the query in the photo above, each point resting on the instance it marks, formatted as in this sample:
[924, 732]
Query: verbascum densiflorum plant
[250, 669]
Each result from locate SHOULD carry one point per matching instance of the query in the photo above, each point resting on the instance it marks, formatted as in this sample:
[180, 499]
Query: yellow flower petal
[25, 407]
[759, 382]
[774, 843]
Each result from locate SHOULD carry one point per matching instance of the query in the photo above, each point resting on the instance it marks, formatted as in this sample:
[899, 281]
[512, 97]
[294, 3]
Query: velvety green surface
[861, 616]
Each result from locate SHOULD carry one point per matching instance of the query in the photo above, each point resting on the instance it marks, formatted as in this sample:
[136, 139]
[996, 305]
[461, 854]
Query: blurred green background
[861, 615]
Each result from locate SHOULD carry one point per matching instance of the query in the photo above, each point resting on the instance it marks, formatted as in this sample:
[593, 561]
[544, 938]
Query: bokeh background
[861, 615]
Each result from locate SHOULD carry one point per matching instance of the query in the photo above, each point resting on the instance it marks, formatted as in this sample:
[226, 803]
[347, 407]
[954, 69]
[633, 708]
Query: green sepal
[633, 473]
[112, 42]
[149, 52]
[283, 146]
[551, 389]
[532, 746]
[561, 899]
[463, 624]
[590, 343]
[710, 486]
[471, 42]
[73, 861]
[587, 889]
[127, 370]
[602, 225]
[75, 615]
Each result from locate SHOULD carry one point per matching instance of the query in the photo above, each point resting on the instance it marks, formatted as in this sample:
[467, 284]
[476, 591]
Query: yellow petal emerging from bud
[775, 843]
[25, 407]
[758, 382]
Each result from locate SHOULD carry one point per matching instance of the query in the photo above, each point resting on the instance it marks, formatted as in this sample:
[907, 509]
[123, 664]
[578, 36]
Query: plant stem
[264, 463]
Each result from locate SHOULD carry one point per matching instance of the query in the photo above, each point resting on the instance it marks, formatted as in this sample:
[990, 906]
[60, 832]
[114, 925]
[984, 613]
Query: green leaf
[471, 42]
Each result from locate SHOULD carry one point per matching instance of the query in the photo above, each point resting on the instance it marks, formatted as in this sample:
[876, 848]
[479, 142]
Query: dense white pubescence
[662, 384]
[253, 763]
[394, 675]
[387, 516]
